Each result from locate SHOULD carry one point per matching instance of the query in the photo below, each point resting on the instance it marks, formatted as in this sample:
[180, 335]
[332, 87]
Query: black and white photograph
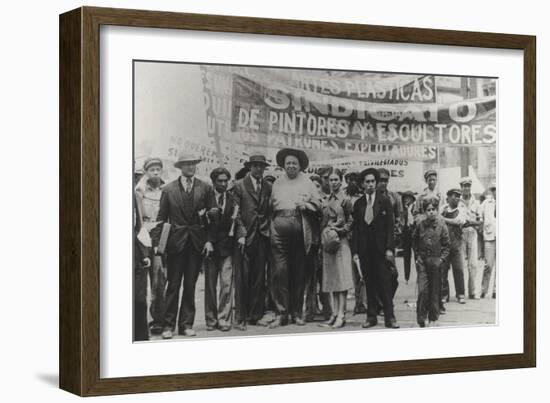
[281, 200]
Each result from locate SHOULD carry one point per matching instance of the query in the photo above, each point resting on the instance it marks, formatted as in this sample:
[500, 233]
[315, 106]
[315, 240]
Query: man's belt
[287, 213]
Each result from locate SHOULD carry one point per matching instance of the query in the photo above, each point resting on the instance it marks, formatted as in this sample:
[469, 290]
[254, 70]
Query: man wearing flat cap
[252, 194]
[430, 176]
[148, 192]
[469, 234]
[373, 245]
[294, 202]
[453, 215]
[182, 204]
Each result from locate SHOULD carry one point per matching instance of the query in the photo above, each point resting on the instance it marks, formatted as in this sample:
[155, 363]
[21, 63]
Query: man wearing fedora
[252, 194]
[453, 215]
[430, 176]
[373, 246]
[469, 234]
[148, 192]
[295, 201]
[182, 204]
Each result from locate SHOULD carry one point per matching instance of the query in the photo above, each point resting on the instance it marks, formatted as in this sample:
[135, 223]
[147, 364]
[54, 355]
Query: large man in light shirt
[294, 199]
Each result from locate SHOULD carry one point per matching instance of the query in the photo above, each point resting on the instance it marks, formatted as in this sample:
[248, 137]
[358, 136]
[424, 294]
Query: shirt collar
[183, 180]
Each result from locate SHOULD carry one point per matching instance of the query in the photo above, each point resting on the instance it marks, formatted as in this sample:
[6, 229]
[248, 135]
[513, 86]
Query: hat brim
[249, 163]
[177, 164]
[285, 152]
[371, 171]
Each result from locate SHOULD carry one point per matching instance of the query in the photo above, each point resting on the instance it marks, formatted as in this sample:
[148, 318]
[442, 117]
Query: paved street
[474, 312]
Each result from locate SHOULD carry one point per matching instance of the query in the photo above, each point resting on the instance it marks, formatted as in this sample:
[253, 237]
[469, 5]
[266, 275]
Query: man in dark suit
[252, 194]
[183, 204]
[224, 228]
[373, 245]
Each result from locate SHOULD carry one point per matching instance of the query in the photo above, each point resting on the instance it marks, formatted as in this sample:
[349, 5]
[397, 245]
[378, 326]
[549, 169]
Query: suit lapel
[250, 187]
[376, 206]
[196, 193]
[178, 195]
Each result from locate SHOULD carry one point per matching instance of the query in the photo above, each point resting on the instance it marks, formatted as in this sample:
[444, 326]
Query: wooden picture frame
[80, 200]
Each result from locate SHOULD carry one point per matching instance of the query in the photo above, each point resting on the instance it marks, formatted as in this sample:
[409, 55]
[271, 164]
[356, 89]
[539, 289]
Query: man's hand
[242, 243]
[389, 254]
[208, 249]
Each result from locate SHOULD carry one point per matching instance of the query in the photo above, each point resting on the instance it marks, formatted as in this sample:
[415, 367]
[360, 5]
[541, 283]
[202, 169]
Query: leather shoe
[392, 325]
[461, 300]
[299, 321]
[167, 334]
[279, 321]
[188, 332]
[422, 324]
[211, 327]
[240, 326]
[225, 328]
[369, 324]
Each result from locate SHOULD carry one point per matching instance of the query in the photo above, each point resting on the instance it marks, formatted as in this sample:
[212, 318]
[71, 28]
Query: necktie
[188, 185]
[220, 201]
[258, 185]
[368, 211]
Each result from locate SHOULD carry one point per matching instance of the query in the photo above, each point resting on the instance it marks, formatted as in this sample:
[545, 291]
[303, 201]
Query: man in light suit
[252, 194]
[183, 204]
[373, 245]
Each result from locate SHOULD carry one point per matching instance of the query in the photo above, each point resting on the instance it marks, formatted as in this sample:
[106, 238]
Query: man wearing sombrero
[182, 204]
[294, 199]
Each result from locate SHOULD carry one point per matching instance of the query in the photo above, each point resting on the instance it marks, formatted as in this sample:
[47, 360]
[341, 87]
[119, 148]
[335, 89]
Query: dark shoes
[299, 321]
[442, 310]
[225, 328]
[369, 323]
[210, 328]
[422, 324]
[359, 309]
[392, 325]
[339, 322]
[240, 326]
[167, 334]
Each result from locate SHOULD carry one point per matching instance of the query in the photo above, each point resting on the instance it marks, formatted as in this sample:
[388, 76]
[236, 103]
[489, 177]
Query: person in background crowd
[407, 225]
[373, 246]
[227, 231]
[142, 262]
[312, 262]
[182, 204]
[431, 249]
[454, 217]
[148, 192]
[324, 173]
[337, 269]
[294, 201]
[269, 178]
[252, 194]
[354, 191]
[469, 234]
[430, 176]
[488, 214]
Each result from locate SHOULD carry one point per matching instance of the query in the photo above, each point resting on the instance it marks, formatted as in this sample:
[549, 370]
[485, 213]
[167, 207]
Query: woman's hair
[315, 178]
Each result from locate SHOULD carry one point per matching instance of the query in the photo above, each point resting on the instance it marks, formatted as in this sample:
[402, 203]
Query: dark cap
[256, 159]
[429, 173]
[455, 191]
[371, 171]
[149, 162]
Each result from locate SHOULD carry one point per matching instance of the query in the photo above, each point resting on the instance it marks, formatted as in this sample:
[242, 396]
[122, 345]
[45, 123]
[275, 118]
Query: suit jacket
[254, 207]
[382, 224]
[220, 225]
[186, 223]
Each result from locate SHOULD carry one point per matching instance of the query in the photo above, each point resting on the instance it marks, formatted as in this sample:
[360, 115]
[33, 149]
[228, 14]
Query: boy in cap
[148, 192]
[431, 249]
[454, 217]
[430, 176]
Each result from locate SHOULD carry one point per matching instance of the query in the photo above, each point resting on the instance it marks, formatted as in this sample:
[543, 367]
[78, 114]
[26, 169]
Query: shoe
[494, 295]
[156, 329]
[359, 309]
[422, 324]
[240, 326]
[299, 321]
[482, 295]
[188, 332]
[369, 324]
[167, 334]
[265, 321]
[442, 310]
[328, 323]
[253, 322]
[340, 322]
[225, 328]
[392, 325]
[461, 300]
[279, 321]
[211, 327]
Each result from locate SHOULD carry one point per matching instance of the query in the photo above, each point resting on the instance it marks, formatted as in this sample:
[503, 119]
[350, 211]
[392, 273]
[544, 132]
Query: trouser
[157, 278]
[406, 243]
[360, 289]
[428, 279]
[471, 258]
[218, 312]
[455, 261]
[287, 273]
[378, 281]
[184, 265]
[141, 330]
[312, 265]
[490, 267]
[250, 280]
